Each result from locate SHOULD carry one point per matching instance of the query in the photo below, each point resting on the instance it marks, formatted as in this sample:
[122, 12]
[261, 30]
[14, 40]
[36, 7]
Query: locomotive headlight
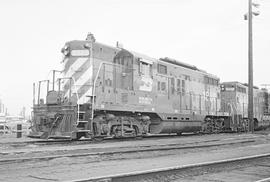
[87, 45]
[65, 50]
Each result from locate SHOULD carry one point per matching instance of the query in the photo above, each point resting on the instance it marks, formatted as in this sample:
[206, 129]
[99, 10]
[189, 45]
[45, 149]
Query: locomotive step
[59, 137]
[82, 121]
[81, 124]
[81, 112]
[82, 131]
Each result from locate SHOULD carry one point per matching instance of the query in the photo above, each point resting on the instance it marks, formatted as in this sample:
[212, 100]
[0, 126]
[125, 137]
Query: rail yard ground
[28, 159]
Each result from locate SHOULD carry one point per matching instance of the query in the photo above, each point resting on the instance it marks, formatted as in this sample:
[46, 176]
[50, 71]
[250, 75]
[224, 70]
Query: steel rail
[122, 176]
[115, 140]
[146, 137]
[181, 147]
[264, 180]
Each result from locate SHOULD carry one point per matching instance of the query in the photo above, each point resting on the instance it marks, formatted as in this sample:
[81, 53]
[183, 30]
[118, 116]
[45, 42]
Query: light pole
[250, 68]
[250, 63]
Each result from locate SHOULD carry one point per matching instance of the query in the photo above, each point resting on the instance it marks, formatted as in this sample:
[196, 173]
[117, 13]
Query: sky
[210, 34]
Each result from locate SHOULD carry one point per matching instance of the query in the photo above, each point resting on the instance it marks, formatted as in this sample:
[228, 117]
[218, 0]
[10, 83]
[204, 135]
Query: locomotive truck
[106, 91]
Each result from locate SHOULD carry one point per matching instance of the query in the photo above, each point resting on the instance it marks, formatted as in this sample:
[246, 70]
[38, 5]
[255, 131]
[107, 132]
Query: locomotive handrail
[76, 90]
[94, 87]
[232, 110]
[39, 84]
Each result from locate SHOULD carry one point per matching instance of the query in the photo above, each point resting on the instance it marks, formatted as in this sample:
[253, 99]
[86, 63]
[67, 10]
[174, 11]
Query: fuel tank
[175, 127]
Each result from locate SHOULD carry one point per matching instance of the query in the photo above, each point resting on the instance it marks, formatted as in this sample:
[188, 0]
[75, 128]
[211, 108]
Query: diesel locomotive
[105, 91]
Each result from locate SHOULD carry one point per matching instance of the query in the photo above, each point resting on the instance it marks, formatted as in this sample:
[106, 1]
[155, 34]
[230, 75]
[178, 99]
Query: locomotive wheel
[95, 132]
[136, 130]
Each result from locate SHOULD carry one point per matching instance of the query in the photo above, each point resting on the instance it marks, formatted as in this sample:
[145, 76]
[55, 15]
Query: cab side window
[145, 69]
[162, 69]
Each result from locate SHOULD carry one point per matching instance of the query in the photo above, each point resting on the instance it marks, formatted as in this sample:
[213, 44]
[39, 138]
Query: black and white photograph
[135, 90]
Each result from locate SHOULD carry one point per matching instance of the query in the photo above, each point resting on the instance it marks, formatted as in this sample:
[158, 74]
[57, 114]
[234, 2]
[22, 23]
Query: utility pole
[248, 17]
[250, 69]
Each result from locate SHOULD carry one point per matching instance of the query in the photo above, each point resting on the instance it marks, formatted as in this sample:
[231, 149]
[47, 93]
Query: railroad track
[95, 140]
[168, 174]
[46, 153]
[101, 139]
[170, 147]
